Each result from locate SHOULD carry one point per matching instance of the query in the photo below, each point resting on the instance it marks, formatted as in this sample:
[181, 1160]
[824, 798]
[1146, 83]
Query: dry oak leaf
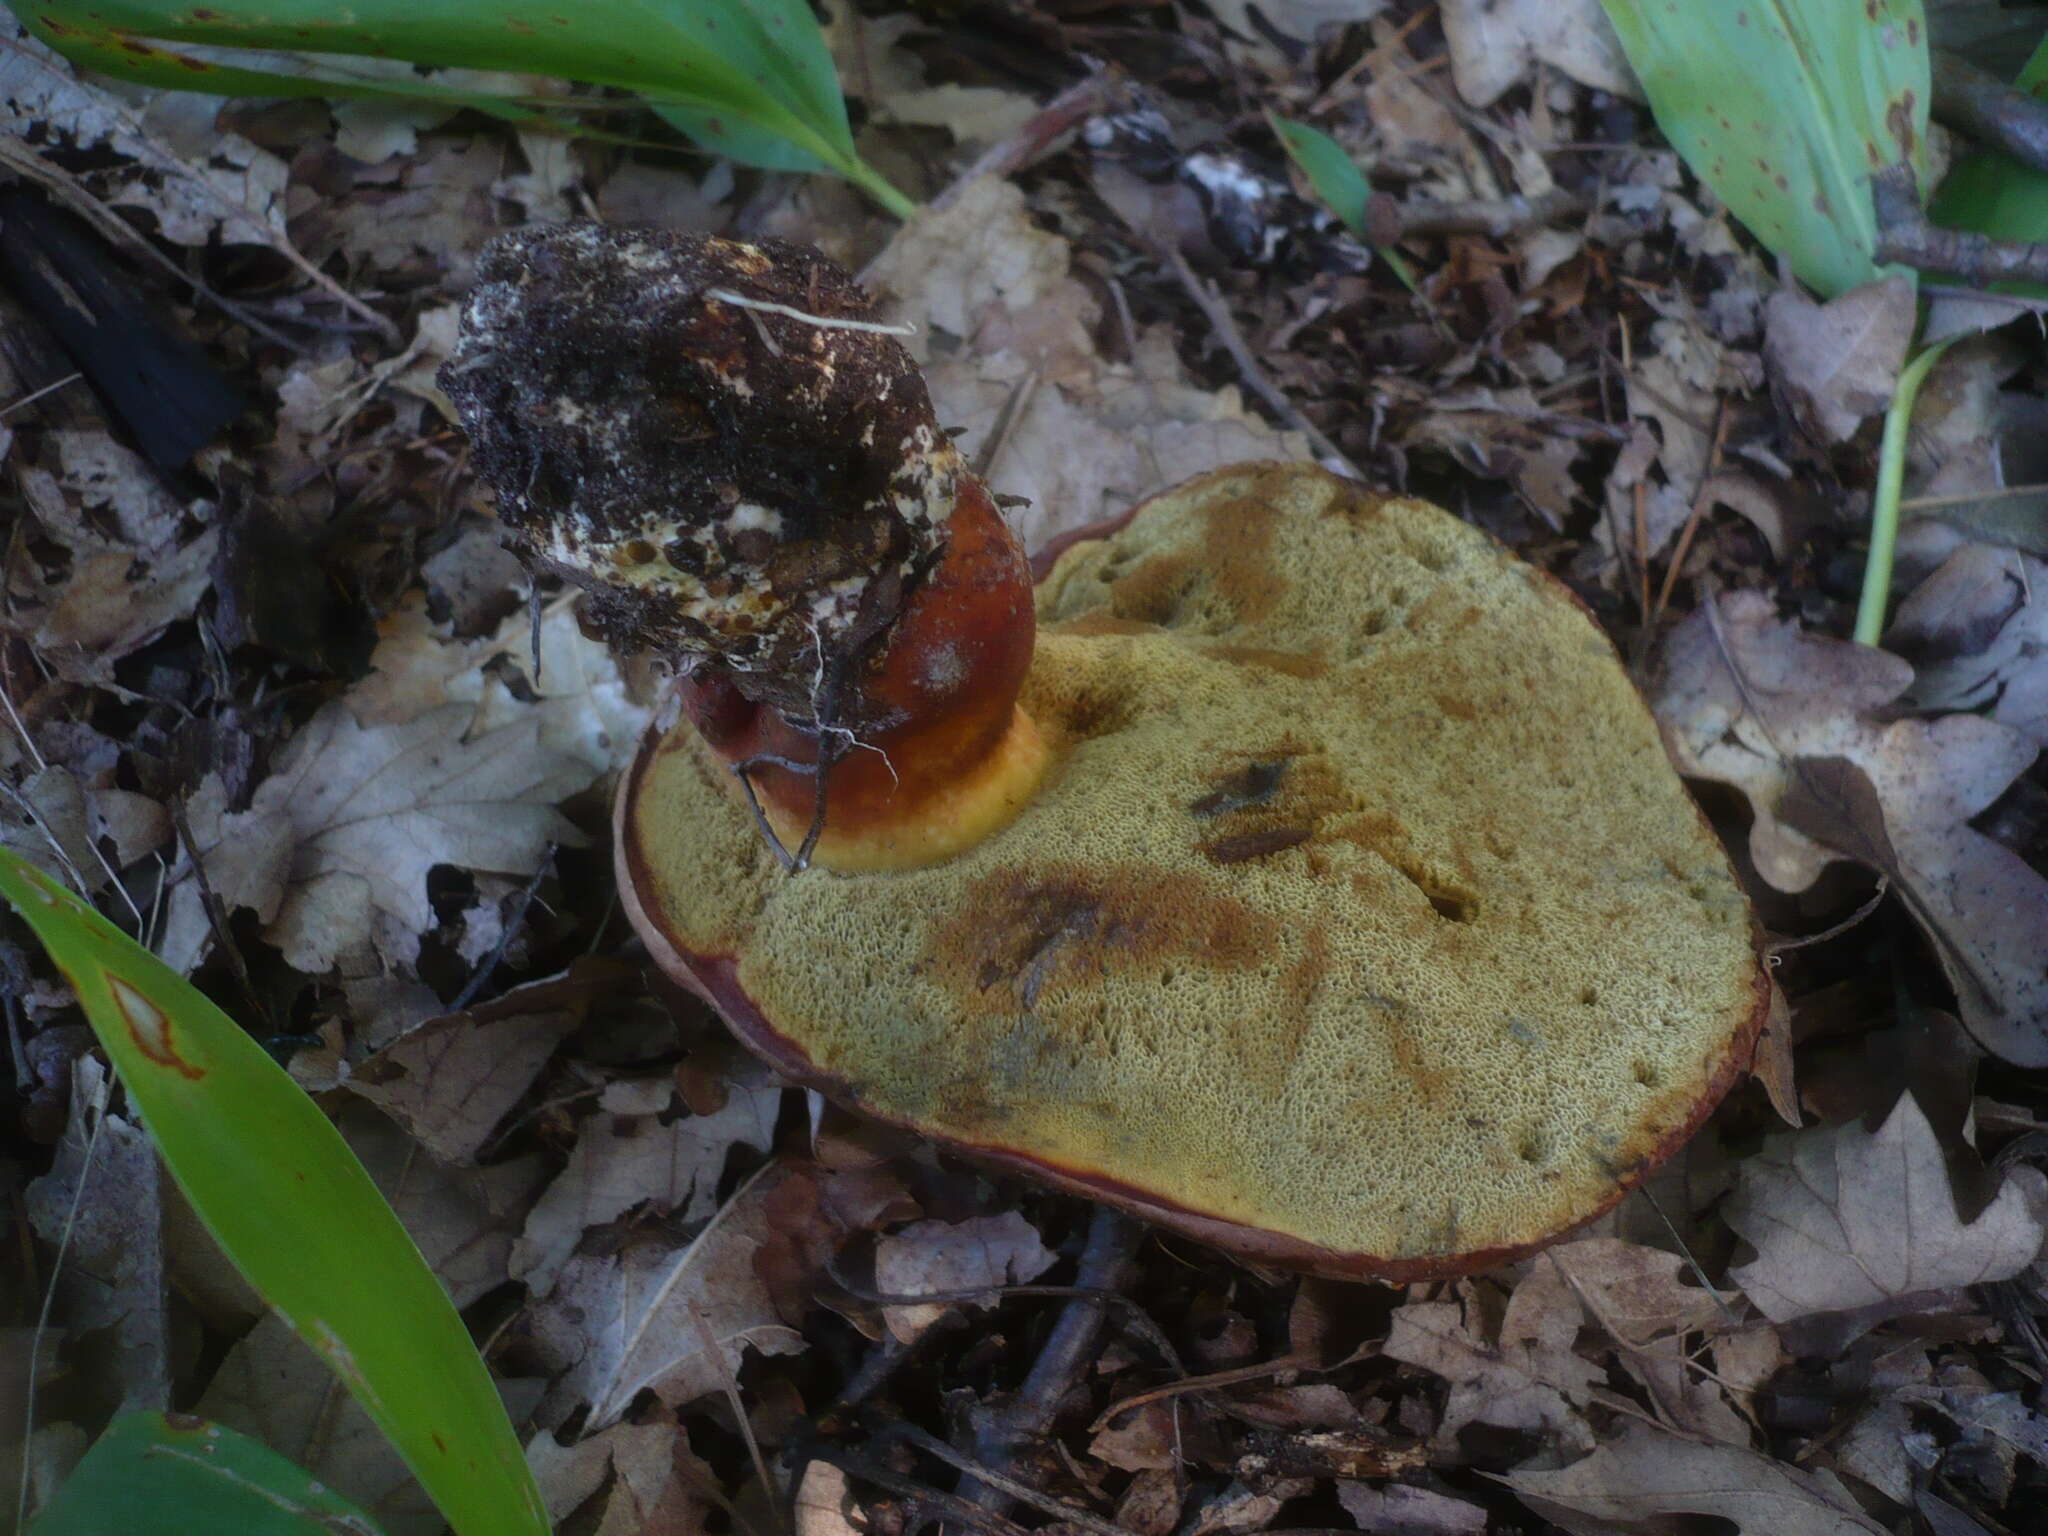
[647, 1480]
[1842, 1218]
[1787, 718]
[1639, 1481]
[678, 1320]
[452, 1080]
[1523, 1374]
[625, 1160]
[336, 846]
[1978, 629]
[935, 1256]
[1076, 435]
[1496, 44]
[1836, 363]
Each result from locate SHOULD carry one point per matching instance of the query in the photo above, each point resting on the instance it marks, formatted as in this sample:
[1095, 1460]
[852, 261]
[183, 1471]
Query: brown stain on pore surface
[1040, 932]
[1235, 563]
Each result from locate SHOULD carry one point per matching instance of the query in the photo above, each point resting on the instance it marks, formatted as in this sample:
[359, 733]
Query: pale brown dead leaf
[1521, 1374]
[889, 79]
[1977, 629]
[109, 603]
[102, 1203]
[335, 848]
[677, 1320]
[452, 1080]
[988, 1251]
[100, 494]
[1638, 1294]
[432, 210]
[1874, 1450]
[1787, 719]
[1081, 438]
[626, 1160]
[1402, 1510]
[234, 191]
[1639, 1481]
[1140, 1439]
[1495, 44]
[582, 700]
[648, 1479]
[823, 1502]
[1836, 363]
[1844, 1218]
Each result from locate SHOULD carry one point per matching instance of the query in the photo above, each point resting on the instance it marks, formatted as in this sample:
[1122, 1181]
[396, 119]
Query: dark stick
[988, 1477]
[1112, 1238]
[1388, 220]
[216, 913]
[513, 924]
[1990, 111]
[1905, 236]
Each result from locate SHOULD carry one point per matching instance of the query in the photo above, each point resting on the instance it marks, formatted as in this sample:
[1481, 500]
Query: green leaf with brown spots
[169, 1474]
[292, 1207]
[748, 79]
[1785, 108]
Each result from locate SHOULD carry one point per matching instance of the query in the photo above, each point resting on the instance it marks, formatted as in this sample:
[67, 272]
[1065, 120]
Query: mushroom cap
[1359, 925]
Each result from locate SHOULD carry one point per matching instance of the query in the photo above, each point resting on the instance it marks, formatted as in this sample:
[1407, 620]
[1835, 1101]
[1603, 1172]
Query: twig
[951, 1506]
[1778, 947]
[1024, 1493]
[1299, 1360]
[36, 394]
[513, 923]
[1989, 110]
[1388, 220]
[1136, 1318]
[1692, 518]
[1112, 1238]
[216, 913]
[1217, 312]
[1905, 236]
[1062, 115]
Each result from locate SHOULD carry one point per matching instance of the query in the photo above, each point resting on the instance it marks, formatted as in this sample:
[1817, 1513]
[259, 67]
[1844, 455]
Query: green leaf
[1785, 108]
[748, 78]
[1337, 179]
[168, 1474]
[293, 1209]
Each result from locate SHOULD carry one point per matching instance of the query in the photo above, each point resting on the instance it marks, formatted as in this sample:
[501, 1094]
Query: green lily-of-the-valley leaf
[290, 1205]
[1785, 108]
[750, 79]
[168, 1474]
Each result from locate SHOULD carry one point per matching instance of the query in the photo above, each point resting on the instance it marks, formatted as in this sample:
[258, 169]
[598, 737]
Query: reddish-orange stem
[939, 696]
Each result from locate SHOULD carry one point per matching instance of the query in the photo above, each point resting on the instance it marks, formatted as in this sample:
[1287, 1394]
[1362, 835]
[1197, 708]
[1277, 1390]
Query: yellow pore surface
[1358, 904]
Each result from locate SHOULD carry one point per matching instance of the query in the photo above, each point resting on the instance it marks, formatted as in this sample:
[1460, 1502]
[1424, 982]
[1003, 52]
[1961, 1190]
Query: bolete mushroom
[1308, 877]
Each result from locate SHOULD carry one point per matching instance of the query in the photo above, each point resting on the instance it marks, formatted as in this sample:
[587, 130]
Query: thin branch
[1112, 1238]
[1905, 236]
[1388, 220]
[1990, 111]
[1057, 118]
[1024, 1493]
[514, 921]
[1217, 312]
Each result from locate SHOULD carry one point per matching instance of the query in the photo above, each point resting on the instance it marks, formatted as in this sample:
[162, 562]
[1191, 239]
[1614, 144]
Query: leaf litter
[400, 819]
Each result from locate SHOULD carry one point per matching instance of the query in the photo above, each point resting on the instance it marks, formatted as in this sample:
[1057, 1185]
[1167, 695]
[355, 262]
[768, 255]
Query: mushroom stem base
[944, 820]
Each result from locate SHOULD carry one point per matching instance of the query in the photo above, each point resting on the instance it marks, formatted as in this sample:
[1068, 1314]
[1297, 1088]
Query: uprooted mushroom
[1294, 867]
